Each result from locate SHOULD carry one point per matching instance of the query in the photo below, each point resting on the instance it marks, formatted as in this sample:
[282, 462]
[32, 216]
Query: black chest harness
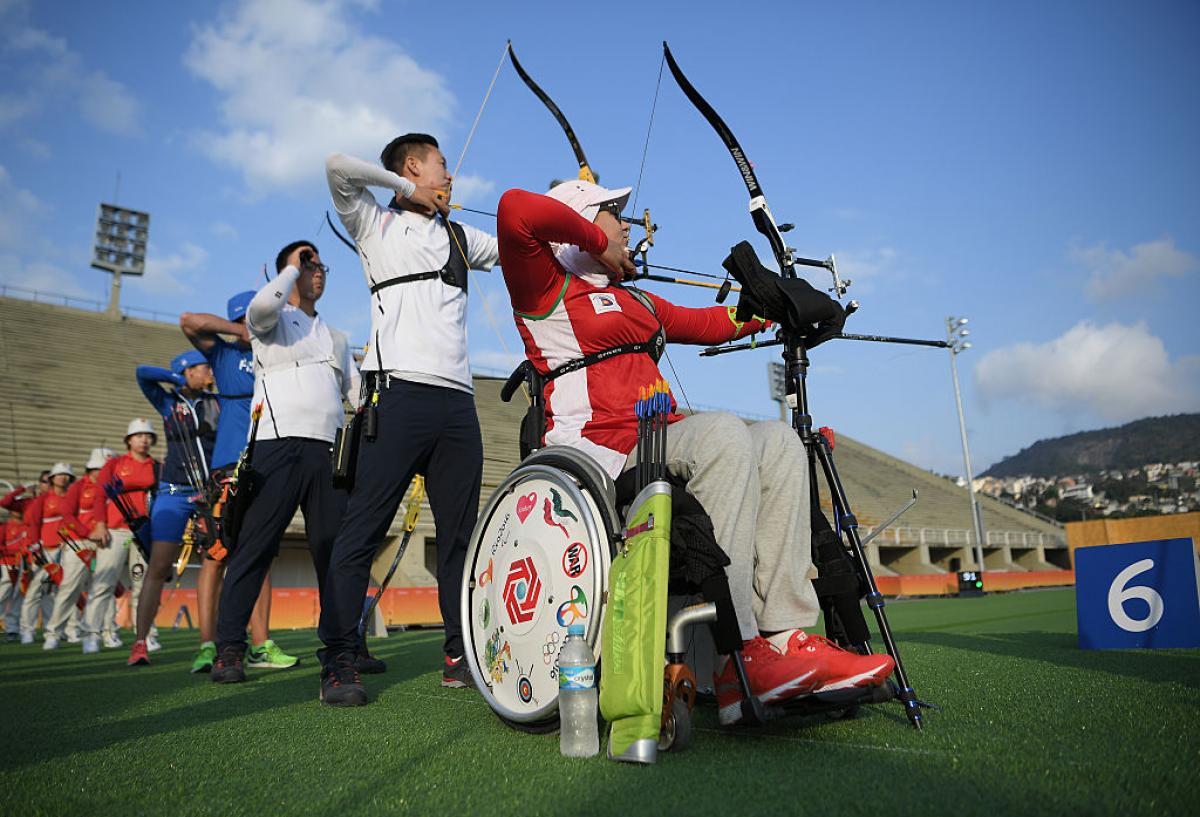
[652, 346]
[452, 273]
[534, 423]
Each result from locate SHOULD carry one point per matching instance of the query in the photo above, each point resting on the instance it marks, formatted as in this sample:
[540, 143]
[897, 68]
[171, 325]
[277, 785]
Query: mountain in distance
[1175, 438]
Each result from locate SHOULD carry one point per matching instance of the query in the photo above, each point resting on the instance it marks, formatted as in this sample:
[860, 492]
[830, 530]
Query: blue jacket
[187, 424]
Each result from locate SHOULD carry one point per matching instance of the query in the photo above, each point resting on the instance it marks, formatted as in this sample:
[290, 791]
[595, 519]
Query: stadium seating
[68, 386]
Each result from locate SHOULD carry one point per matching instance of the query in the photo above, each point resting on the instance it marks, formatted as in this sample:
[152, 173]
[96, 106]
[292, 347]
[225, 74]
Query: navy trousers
[426, 430]
[293, 473]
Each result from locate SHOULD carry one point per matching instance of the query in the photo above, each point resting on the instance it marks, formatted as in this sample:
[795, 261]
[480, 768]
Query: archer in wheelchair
[609, 464]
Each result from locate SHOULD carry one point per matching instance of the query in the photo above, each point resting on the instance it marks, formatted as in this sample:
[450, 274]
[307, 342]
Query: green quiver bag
[635, 629]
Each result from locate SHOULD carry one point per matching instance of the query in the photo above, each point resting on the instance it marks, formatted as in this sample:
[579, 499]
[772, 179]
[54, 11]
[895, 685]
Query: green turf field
[1029, 724]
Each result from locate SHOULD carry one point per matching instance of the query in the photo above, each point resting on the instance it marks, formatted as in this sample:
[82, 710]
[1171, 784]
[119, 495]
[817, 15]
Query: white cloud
[223, 229]
[861, 267]
[51, 281]
[1116, 273]
[468, 189]
[1115, 372]
[170, 274]
[298, 81]
[49, 74]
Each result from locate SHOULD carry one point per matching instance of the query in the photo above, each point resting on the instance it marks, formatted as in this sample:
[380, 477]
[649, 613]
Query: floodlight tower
[956, 334]
[777, 379]
[120, 248]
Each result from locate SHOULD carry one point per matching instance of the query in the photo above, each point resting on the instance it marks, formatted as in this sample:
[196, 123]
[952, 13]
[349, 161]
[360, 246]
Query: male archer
[421, 393]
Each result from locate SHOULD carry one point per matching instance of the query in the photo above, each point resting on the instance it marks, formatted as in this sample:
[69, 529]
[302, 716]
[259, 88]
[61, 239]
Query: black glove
[791, 302]
[828, 328]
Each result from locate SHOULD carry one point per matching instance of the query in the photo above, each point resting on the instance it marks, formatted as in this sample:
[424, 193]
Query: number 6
[1118, 594]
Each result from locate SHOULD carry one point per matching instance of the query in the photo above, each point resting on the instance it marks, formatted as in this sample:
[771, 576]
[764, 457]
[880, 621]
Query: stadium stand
[68, 386]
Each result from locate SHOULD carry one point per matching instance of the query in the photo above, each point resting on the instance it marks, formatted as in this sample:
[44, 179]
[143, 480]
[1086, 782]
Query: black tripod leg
[849, 525]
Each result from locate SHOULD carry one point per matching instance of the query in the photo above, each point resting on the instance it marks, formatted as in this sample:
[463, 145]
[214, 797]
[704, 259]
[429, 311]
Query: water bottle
[577, 696]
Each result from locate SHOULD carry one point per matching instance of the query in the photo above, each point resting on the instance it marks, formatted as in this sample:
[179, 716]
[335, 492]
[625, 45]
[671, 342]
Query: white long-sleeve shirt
[303, 367]
[419, 328]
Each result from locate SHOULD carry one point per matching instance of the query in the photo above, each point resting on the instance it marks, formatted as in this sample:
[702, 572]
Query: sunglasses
[613, 209]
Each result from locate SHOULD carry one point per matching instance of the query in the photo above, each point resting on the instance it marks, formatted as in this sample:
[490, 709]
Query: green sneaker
[269, 656]
[204, 659]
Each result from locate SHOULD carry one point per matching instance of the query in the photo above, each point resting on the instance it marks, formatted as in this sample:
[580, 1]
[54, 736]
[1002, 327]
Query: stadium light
[120, 247]
[956, 331]
[776, 377]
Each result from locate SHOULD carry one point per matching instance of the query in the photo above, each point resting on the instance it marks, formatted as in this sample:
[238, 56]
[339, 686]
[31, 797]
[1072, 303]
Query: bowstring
[487, 310]
[479, 113]
[637, 190]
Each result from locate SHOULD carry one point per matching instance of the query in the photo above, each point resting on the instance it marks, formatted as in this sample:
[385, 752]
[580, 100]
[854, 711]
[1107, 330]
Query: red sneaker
[838, 668]
[773, 675]
[138, 656]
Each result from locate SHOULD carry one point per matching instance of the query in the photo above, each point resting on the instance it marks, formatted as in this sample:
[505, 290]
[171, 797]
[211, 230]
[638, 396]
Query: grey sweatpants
[753, 482]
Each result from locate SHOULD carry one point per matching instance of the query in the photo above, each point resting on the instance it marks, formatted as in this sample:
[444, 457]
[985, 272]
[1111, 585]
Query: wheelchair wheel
[537, 562]
[676, 733]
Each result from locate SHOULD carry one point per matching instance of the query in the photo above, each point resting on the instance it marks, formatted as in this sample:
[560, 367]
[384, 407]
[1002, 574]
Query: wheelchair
[538, 561]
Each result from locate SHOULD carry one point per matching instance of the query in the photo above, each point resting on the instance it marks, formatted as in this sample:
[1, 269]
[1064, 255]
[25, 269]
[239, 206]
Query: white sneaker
[51, 643]
[73, 638]
[152, 644]
[112, 641]
[91, 644]
[26, 638]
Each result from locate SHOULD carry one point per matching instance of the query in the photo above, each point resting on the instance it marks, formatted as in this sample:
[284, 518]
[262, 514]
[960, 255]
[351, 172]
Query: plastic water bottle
[577, 696]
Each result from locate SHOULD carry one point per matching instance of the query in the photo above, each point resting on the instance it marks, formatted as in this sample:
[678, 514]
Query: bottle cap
[575, 629]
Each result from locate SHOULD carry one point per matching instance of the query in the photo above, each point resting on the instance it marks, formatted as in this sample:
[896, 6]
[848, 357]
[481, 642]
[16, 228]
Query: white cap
[585, 198]
[140, 426]
[98, 458]
[62, 468]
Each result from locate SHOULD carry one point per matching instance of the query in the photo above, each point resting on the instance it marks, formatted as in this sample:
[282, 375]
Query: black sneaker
[340, 684]
[456, 674]
[368, 664]
[228, 669]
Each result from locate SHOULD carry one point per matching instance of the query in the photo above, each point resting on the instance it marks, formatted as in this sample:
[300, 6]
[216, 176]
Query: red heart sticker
[526, 504]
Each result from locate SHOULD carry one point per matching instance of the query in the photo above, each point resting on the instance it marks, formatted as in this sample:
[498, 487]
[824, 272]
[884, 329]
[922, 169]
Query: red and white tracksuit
[121, 555]
[13, 537]
[105, 555]
[47, 517]
[561, 317]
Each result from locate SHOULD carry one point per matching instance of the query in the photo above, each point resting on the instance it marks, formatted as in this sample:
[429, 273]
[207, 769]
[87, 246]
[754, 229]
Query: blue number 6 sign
[1144, 594]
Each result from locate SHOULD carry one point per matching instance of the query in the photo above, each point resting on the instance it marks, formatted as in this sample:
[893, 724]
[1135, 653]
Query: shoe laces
[344, 671]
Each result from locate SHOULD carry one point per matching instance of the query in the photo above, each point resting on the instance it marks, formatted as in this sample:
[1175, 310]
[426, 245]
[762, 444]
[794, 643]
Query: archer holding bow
[595, 342]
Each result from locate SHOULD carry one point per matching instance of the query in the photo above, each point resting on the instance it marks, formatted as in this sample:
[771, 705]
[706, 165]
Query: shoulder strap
[453, 272]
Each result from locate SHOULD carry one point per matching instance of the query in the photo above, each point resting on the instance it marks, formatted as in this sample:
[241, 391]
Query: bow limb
[764, 222]
[585, 170]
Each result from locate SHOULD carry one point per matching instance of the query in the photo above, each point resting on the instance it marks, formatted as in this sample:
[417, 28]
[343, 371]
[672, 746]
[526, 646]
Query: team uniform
[121, 554]
[303, 371]
[87, 495]
[233, 372]
[416, 268]
[14, 536]
[51, 518]
[190, 427]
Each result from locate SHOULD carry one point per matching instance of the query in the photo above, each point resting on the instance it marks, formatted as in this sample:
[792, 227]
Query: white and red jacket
[562, 317]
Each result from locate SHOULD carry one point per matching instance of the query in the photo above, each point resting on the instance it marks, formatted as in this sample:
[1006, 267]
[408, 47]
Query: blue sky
[1030, 165]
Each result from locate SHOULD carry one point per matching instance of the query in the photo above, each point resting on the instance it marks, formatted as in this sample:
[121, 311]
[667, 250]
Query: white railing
[964, 537]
